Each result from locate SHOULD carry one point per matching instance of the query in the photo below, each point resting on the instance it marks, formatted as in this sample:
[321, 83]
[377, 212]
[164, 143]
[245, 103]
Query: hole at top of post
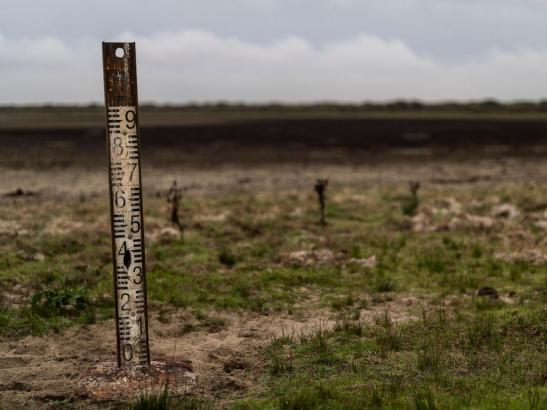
[119, 52]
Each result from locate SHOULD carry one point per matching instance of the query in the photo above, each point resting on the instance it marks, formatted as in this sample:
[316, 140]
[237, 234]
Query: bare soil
[38, 371]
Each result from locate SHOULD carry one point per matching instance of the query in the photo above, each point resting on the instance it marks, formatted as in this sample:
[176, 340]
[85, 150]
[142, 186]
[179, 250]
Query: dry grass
[459, 350]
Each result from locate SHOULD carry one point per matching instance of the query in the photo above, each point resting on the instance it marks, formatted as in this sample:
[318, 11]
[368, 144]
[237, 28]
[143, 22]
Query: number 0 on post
[120, 89]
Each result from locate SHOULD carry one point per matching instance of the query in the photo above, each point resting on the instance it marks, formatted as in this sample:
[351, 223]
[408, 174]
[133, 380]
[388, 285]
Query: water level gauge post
[129, 268]
[133, 372]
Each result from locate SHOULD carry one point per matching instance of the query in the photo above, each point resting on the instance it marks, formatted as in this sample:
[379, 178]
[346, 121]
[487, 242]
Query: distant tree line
[482, 106]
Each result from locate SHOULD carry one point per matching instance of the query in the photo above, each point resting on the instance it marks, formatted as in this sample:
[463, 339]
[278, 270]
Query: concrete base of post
[108, 382]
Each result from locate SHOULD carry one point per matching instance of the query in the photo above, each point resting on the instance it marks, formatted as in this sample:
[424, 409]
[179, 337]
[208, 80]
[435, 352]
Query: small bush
[410, 205]
[227, 258]
[384, 284]
[50, 303]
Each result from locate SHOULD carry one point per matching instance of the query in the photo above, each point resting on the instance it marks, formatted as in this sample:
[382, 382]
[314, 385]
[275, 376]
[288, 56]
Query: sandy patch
[36, 370]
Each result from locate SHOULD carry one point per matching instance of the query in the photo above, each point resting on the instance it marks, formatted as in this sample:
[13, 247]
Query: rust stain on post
[120, 74]
[120, 86]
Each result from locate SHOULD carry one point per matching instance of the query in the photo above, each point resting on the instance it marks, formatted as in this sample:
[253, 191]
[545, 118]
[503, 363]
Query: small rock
[488, 291]
[18, 193]
[39, 257]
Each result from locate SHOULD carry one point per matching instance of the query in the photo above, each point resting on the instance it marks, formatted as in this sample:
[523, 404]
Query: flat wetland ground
[428, 302]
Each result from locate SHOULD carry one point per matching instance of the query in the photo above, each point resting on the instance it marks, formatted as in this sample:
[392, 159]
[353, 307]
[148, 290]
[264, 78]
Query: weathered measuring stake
[133, 372]
[120, 89]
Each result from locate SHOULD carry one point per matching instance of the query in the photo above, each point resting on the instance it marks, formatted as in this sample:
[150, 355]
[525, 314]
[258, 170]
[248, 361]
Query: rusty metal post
[120, 89]
[133, 372]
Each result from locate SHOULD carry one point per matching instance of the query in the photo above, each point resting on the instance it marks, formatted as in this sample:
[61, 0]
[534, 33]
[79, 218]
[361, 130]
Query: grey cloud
[183, 66]
[278, 49]
[444, 29]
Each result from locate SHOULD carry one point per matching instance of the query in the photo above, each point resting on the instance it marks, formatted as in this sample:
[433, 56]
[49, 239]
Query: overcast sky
[278, 50]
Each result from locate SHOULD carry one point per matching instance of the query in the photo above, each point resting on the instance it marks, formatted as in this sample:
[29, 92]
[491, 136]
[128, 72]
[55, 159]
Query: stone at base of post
[108, 382]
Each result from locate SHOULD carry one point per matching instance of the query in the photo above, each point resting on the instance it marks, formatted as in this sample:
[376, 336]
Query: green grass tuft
[165, 400]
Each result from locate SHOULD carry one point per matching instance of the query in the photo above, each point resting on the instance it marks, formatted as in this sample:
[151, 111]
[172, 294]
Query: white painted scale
[120, 81]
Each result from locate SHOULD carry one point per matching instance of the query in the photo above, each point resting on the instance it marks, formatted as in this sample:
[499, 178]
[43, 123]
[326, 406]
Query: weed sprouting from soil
[483, 331]
[60, 302]
[174, 196]
[410, 205]
[321, 190]
[389, 335]
[152, 401]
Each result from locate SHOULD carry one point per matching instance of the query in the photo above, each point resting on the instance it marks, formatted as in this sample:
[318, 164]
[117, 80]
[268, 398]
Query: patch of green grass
[7, 320]
[279, 358]
[384, 283]
[165, 400]
[344, 302]
[459, 359]
[60, 302]
[476, 352]
[388, 335]
[433, 261]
